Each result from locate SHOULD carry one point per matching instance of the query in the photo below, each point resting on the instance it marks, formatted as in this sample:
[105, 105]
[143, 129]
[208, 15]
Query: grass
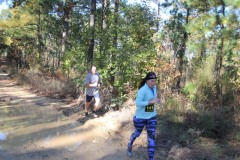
[48, 84]
[209, 134]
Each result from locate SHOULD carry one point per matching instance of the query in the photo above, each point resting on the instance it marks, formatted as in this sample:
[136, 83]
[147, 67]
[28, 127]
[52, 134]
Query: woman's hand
[154, 100]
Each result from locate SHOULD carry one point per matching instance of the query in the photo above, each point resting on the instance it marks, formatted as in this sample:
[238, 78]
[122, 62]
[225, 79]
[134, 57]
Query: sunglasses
[152, 77]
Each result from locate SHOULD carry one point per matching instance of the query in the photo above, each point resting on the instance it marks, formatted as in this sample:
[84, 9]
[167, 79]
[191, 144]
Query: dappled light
[72, 72]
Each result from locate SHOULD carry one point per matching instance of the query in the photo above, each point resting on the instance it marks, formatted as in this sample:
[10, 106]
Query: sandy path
[102, 138]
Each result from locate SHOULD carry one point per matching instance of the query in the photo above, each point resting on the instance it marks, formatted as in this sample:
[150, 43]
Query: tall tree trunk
[92, 31]
[112, 56]
[39, 36]
[219, 57]
[104, 35]
[182, 52]
[66, 20]
[158, 23]
[105, 12]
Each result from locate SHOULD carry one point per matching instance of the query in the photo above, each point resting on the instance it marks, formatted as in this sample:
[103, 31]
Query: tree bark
[219, 58]
[66, 20]
[112, 56]
[92, 31]
[104, 36]
[39, 37]
[182, 53]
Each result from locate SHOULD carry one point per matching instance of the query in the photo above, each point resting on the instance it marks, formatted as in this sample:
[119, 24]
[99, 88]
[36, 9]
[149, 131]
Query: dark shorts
[89, 98]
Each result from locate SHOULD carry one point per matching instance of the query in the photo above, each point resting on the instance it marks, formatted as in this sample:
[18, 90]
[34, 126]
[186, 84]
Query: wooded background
[194, 51]
[192, 45]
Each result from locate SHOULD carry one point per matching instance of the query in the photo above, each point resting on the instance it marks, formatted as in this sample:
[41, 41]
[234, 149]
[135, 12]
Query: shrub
[48, 84]
[190, 90]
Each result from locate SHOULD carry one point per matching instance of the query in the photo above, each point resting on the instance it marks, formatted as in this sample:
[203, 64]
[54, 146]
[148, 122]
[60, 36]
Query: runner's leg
[151, 130]
[138, 124]
[96, 105]
[87, 103]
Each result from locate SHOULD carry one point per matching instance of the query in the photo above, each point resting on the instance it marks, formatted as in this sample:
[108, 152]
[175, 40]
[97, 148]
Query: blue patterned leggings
[151, 125]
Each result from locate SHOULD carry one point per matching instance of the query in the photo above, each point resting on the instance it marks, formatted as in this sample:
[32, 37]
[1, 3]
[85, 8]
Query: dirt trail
[34, 127]
[102, 138]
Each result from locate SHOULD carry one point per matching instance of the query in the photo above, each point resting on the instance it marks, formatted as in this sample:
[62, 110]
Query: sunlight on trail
[27, 124]
[3, 136]
[31, 127]
[3, 74]
[68, 139]
[27, 118]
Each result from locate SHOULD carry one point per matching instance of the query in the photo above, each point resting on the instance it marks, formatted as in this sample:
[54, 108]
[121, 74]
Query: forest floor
[106, 137]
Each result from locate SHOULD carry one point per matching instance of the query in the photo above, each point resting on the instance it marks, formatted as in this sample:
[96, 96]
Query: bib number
[149, 108]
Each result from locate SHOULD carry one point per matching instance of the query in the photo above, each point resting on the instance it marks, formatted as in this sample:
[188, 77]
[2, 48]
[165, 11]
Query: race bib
[149, 108]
